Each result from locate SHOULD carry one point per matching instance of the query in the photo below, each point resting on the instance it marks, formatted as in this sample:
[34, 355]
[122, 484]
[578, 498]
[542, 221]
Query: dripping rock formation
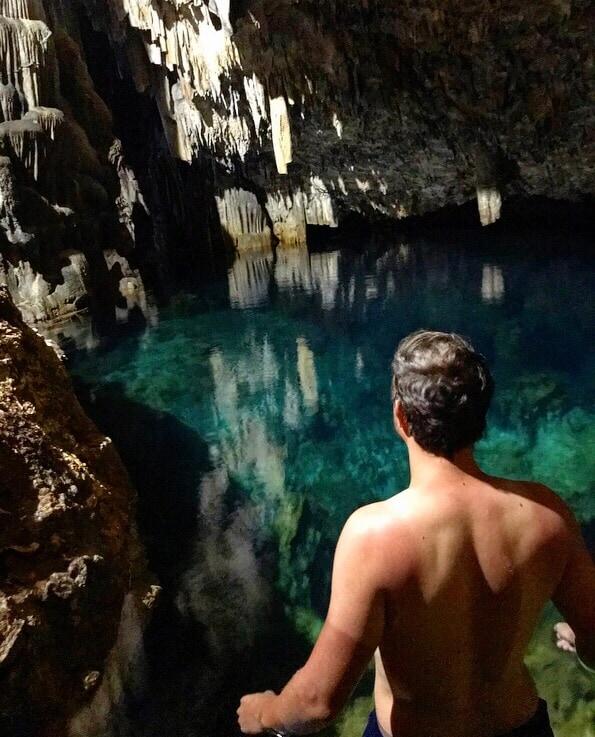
[72, 568]
[168, 133]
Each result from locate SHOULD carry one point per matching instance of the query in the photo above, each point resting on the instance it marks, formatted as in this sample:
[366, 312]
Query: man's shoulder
[546, 509]
[376, 516]
[556, 505]
[380, 535]
[539, 493]
[380, 521]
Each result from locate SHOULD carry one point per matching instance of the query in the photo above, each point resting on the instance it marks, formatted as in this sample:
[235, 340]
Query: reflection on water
[492, 283]
[270, 401]
[249, 280]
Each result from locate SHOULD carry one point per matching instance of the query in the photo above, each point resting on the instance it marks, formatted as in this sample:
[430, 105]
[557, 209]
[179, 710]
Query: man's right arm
[575, 594]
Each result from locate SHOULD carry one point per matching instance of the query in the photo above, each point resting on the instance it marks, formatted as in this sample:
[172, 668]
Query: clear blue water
[254, 416]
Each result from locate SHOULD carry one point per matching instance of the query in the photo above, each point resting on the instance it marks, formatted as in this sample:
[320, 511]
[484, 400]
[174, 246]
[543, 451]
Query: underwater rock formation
[69, 554]
[286, 115]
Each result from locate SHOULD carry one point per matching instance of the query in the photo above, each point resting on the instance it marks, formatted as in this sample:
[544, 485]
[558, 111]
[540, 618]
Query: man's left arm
[352, 631]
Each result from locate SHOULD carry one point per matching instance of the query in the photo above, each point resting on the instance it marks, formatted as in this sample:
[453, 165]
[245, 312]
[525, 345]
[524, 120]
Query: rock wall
[69, 555]
[57, 191]
[77, 230]
[286, 114]
[392, 108]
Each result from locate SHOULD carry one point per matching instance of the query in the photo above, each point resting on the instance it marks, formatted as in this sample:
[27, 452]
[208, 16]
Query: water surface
[254, 416]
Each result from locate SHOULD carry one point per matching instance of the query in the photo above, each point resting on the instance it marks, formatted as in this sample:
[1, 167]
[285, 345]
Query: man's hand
[250, 710]
[353, 629]
[565, 637]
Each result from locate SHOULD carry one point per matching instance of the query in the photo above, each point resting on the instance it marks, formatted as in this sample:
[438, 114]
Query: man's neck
[427, 468]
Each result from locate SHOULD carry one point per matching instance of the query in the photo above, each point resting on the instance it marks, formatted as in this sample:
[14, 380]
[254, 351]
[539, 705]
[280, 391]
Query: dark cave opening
[178, 242]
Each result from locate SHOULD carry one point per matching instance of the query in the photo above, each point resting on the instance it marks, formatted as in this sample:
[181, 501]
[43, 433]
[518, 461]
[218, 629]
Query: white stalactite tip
[26, 9]
[281, 133]
[489, 203]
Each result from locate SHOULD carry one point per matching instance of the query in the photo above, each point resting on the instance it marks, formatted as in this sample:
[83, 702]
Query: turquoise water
[255, 416]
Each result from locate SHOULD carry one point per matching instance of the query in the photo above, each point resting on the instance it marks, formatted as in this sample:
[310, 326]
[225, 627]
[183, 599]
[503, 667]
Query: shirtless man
[445, 581]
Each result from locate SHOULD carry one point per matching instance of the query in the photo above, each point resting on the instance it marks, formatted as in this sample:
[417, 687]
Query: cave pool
[254, 416]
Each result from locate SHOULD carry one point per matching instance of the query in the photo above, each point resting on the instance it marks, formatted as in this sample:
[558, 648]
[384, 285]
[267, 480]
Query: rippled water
[255, 416]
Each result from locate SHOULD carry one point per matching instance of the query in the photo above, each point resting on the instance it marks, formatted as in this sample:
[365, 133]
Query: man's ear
[400, 420]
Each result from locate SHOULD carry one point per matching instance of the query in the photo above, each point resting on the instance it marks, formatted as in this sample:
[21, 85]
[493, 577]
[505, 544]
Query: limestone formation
[243, 220]
[287, 210]
[130, 192]
[385, 106]
[281, 133]
[64, 184]
[128, 288]
[285, 115]
[319, 204]
[34, 297]
[489, 203]
[68, 544]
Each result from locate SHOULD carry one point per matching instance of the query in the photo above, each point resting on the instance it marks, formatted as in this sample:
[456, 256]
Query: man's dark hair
[445, 388]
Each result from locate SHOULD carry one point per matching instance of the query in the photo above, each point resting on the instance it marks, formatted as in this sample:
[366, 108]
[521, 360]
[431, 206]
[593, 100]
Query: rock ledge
[69, 552]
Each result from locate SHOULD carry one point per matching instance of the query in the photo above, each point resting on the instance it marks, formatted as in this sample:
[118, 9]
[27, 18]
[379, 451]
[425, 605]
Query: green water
[255, 416]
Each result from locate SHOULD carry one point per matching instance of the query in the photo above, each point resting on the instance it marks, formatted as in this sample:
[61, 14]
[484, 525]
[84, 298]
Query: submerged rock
[69, 553]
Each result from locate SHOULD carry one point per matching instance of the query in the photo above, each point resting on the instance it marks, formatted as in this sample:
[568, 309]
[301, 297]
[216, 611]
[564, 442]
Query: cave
[218, 219]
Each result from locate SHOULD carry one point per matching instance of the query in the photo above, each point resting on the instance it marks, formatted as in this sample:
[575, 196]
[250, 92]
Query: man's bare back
[444, 581]
[485, 555]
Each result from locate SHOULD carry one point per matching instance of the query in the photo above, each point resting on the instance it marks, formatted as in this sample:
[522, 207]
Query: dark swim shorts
[537, 726]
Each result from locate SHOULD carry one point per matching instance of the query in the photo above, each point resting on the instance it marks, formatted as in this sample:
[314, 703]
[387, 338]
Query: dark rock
[69, 553]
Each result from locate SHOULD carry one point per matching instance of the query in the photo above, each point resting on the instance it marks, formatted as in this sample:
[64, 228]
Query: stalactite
[337, 125]
[255, 94]
[227, 133]
[130, 192]
[48, 118]
[10, 103]
[23, 56]
[286, 83]
[129, 283]
[221, 8]
[281, 132]
[288, 214]
[9, 221]
[319, 207]
[183, 38]
[24, 138]
[27, 138]
[37, 299]
[489, 203]
[40, 138]
[243, 220]
[27, 9]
